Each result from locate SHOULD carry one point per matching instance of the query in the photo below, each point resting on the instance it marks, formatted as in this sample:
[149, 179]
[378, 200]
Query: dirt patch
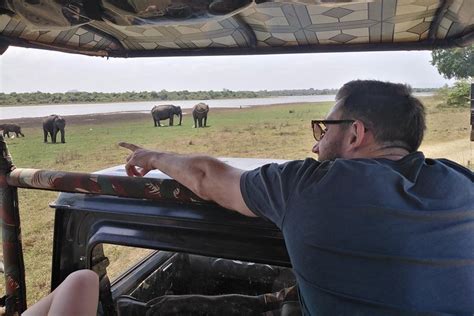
[99, 118]
[460, 150]
[82, 119]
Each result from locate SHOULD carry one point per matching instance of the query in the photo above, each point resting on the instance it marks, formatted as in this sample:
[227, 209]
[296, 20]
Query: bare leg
[77, 295]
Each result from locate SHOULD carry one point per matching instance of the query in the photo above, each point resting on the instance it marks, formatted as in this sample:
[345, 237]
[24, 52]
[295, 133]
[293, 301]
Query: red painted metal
[140, 188]
[11, 238]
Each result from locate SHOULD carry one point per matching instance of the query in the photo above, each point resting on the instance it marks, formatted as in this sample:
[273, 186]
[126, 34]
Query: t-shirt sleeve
[268, 189]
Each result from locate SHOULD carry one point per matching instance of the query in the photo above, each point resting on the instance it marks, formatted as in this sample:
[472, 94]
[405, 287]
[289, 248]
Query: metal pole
[14, 266]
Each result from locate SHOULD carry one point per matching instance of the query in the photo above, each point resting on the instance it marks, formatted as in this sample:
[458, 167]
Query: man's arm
[207, 177]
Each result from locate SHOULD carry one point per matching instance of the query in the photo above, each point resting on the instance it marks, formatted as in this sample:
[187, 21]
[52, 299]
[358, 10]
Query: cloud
[29, 70]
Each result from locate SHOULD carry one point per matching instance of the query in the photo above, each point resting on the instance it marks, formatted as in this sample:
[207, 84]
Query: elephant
[53, 124]
[11, 128]
[200, 111]
[162, 112]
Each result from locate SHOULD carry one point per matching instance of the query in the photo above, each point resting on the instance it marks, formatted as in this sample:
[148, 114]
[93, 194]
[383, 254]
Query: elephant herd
[52, 125]
[168, 111]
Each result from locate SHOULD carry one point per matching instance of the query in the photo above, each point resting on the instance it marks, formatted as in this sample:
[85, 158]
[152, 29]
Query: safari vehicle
[189, 247]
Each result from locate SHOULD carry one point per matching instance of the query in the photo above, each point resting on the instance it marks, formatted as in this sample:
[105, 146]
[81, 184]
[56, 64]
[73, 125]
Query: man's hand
[140, 161]
[207, 177]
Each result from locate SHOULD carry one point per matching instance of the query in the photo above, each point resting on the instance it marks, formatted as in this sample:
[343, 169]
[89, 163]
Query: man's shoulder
[455, 167]
[297, 164]
[309, 165]
[412, 160]
[446, 167]
[291, 171]
[412, 168]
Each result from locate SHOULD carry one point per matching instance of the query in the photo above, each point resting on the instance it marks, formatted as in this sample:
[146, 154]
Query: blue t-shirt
[373, 236]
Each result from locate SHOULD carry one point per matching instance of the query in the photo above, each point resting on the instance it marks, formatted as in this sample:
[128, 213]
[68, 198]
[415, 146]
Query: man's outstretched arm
[207, 177]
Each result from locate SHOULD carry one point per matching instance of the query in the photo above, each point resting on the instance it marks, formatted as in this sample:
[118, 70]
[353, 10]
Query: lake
[92, 108]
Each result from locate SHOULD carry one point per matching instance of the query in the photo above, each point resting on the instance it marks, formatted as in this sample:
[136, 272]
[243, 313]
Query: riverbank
[98, 118]
[145, 106]
[27, 122]
[76, 97]
[98, 98]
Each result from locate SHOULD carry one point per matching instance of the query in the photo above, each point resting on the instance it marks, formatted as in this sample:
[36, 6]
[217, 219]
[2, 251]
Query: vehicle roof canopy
[133, 28]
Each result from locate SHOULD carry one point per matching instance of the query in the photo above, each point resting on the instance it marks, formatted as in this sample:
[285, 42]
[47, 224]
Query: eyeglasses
[319, 126]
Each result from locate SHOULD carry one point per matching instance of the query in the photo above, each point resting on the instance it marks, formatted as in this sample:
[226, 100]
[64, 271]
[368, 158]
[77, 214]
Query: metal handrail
[92, 183]
[12, 178]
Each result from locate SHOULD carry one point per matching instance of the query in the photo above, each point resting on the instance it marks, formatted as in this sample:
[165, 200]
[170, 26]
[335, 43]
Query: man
[373, 227]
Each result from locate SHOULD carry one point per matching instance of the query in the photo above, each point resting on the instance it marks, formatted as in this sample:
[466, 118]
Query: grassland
[280, 131]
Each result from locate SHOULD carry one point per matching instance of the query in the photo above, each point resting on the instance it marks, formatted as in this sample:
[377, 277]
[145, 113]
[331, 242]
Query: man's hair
[394, 116]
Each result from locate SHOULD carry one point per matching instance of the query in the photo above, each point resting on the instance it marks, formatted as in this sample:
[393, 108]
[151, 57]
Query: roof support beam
[443, 8]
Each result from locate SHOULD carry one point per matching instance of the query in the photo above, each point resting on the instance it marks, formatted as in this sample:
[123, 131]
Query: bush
[456, 96]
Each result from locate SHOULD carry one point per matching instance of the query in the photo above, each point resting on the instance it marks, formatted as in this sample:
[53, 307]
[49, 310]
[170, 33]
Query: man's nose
[316, 148]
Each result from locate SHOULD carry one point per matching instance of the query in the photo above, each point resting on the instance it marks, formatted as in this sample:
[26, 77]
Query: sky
[30, 70]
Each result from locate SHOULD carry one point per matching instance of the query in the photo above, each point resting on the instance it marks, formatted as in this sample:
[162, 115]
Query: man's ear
[358, 134]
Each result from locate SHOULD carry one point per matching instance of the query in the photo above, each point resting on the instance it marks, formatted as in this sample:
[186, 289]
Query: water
[145, 107]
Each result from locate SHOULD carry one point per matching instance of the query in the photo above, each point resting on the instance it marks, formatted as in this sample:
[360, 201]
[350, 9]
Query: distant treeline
[102, 97]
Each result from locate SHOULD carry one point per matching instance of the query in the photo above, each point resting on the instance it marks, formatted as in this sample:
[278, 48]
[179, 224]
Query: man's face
[331, 146]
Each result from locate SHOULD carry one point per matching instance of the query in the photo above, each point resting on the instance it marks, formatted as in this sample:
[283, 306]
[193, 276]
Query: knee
[84, 279]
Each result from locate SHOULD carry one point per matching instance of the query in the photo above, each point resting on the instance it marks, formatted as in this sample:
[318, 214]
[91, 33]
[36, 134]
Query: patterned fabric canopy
[127, 28]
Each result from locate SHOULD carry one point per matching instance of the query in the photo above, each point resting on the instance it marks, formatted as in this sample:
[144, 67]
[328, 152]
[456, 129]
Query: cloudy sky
[29, 70]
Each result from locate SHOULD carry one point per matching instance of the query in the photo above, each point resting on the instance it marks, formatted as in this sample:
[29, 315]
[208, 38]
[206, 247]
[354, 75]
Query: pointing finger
[132, 147]
[132, 171]
[135, 172]
[143, 171]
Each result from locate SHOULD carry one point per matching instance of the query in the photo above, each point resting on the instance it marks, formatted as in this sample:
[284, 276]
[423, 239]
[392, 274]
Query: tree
[454, 63]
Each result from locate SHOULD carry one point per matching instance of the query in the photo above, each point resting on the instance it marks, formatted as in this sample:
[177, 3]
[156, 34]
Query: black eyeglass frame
[325, 122]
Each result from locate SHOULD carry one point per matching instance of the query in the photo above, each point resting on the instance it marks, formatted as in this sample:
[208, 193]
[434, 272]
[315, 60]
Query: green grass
[229, 133]
[264, 132]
